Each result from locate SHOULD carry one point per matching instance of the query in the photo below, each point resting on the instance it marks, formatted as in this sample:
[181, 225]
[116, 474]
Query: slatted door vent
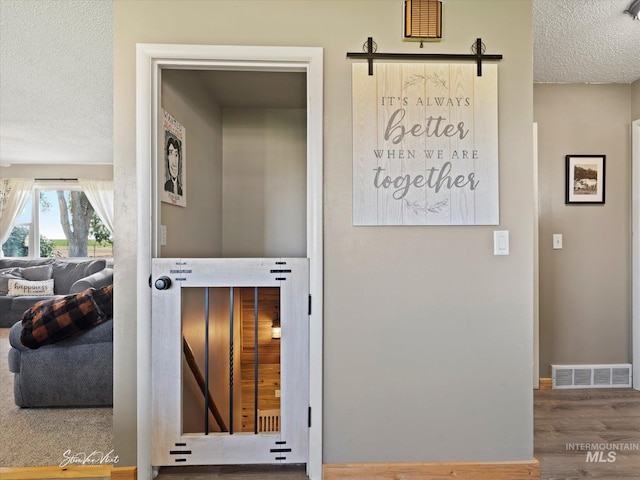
[591, 376]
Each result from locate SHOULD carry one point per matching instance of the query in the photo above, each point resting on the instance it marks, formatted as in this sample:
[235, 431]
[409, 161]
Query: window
[42, 231]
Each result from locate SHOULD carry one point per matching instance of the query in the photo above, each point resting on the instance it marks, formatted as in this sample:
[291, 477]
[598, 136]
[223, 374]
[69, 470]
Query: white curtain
[14, 193]
[100, 194]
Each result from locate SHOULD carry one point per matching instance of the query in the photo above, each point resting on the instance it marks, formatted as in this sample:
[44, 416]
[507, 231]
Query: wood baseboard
[88, 471]
[545, 384]
[124, 473]
[527, 470]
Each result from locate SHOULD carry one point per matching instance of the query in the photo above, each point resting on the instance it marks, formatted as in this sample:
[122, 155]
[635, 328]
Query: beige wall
[635, 100]
[185, 97]
[428, 336]
[264, 182]
[585, 289]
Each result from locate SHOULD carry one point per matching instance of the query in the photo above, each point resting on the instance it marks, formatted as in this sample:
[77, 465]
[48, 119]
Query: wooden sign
[425, 144]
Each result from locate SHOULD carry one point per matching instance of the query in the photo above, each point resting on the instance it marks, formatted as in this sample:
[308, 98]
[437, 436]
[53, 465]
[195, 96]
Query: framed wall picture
[174, 187]
[585, 179]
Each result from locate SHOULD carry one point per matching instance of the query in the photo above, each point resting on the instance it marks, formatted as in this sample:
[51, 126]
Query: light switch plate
[557, 241]
[163, 235]
[501, 242]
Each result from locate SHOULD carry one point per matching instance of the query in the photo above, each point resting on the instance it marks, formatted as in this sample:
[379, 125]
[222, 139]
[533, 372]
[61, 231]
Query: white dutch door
[230, 366]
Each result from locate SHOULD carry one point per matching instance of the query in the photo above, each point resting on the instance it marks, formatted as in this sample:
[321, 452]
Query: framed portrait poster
[174, 167]
[585, 179]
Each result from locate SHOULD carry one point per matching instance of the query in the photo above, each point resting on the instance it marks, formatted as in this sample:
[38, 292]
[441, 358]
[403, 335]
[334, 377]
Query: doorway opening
[243, 185]
[154, 61]
[248, 388]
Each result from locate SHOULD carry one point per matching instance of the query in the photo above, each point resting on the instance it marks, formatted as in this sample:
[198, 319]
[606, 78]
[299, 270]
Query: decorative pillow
[22, 288]
[37, 273]
[7, 274]
[59, 318]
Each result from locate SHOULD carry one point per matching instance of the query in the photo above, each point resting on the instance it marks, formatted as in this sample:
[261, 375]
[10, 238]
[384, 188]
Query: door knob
[163, 283]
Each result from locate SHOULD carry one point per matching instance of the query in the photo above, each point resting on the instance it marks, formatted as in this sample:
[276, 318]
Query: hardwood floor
[231, 472]
[593, 434]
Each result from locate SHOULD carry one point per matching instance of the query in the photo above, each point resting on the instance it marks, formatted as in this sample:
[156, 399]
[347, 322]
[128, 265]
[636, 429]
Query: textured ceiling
[56, 69]
[56, 81]
[585, 41]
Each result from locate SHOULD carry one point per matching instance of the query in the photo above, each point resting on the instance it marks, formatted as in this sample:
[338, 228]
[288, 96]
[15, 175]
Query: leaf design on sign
[419, 208]
[417, 79]
[438, 81]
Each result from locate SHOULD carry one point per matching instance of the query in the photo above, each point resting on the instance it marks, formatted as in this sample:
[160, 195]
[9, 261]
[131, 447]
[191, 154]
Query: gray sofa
[76, 372]
[67, 276]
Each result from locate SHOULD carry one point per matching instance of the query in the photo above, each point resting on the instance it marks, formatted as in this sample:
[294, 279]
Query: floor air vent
[591, 376]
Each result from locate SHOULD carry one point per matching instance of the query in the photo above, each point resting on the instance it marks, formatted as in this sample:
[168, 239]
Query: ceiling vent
[423, 20]
[591, 376]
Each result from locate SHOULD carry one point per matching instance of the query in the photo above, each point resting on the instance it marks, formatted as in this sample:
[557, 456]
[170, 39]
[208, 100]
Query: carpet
[31, 437]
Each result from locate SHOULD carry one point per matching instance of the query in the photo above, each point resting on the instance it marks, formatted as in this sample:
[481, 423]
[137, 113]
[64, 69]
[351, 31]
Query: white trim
[56, 185]
[146, 79]
[635, 251]
[151, 58]
[536, 265]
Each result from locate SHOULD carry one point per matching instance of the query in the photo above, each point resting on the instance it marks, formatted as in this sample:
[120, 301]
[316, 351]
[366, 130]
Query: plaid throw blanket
[56, 319]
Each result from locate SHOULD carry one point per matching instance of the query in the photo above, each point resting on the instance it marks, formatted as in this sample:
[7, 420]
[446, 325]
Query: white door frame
[536, 265]
[151, 59]
[635, 251]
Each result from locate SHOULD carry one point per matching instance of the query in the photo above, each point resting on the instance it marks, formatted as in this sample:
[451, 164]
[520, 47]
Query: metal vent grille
[564, 377]
[602, 376]
[591, 376]
[621, 376]
[423, 19]
[582, 376]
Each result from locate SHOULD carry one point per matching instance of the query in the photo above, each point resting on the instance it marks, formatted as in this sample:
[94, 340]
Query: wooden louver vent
[423, 19]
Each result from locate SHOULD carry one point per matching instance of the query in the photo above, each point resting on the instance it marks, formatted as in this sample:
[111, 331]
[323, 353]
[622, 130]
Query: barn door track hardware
[478, 55]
